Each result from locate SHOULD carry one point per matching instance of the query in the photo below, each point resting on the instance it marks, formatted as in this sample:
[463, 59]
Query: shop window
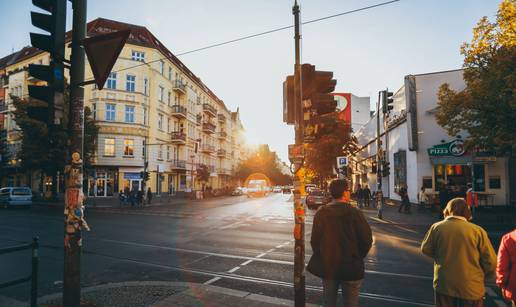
[400, 169]
[479, 183]
[427, 182]
[495, 182]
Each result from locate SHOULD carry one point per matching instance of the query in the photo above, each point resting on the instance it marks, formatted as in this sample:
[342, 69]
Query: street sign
[296, 153]
[102, 52]
[342, 161]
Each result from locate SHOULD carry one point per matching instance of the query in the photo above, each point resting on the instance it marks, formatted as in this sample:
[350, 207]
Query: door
[101, 183]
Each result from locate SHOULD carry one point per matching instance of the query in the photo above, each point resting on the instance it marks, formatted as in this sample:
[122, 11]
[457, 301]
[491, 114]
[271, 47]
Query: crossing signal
[387, 101]
[51, 95]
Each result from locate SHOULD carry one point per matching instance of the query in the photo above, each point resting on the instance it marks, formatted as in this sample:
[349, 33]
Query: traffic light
[373, 167]
[144, 175]
[319, 105]
[387, 101]
[50, 95]
[386, 169]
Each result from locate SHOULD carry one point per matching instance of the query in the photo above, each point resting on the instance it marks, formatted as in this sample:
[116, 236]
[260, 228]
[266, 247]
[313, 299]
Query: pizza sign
[453, 148]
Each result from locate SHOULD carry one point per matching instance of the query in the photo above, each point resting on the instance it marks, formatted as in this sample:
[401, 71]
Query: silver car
[15, 196]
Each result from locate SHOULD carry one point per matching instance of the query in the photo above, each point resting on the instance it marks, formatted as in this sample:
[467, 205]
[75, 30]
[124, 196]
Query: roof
[139, 35]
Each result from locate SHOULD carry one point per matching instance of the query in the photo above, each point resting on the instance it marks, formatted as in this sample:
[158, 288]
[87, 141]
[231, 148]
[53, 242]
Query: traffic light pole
[299, 209]
[379, 193]
[74, 210]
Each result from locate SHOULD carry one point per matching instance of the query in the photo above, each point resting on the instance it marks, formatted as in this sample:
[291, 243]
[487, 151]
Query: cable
[262, 33]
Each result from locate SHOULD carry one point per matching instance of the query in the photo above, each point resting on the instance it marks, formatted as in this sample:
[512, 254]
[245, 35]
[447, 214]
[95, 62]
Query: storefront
[103, 182]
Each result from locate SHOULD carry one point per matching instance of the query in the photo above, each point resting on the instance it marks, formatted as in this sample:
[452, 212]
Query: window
[162, 67]
[400, 169]
[168, 153]
[494, 182]
[129, 148]
[168, 124]
[130, 83]
[168, 98]
[161, 93]
[160, 152]
[144, 149]
[111, 81]
[170, 73]
[110, 112]
[427, 182]
[138, 56]
[145, 86]
[129, 114]
[94, 111]
[109, 147]
[145, 116]
[160, 121]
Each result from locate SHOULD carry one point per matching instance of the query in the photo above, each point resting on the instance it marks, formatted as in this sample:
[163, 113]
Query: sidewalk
[165, 294]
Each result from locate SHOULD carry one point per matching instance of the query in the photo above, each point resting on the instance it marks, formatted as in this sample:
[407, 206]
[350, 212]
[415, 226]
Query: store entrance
[457, 176]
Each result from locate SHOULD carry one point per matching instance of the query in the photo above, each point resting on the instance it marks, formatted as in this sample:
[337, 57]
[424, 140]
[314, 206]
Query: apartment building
[153, 110]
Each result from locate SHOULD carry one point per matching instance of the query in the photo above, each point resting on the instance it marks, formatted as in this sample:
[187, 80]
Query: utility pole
[299, 209]
[74, 210]
[379, 193]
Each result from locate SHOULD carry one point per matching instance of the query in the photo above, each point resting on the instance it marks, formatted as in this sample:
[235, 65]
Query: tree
[263, 160]
[320, 156]
[203, 174]
[38, 152]
[486, 108]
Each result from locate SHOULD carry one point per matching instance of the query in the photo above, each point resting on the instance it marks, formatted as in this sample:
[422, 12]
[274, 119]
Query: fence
[33, 277]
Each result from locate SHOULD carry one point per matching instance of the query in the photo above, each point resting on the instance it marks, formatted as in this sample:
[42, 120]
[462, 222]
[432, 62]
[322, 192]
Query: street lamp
[15, 163]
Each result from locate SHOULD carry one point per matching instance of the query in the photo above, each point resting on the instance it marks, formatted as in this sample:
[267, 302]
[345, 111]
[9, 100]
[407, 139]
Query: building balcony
[222, 135]
[209, 109]
[198, 119]
[178, 165]
[178, 137]
[221, 153]
[179, 111]
[221, 118]
[207, 148]
[208, 127]
[179, 87]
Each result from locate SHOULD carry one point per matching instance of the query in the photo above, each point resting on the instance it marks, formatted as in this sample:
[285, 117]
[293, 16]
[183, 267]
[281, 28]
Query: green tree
[203, 174]
[486, 108]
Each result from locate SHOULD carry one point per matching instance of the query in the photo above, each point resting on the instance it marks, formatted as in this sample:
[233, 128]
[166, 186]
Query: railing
[207, 126]
[198, 119]
[33, 277]
[178, 164]
[179, 86]
[207, 148]
[221, 118]
[178, 136]
[179, 109]
[221, 152]
[209, 108]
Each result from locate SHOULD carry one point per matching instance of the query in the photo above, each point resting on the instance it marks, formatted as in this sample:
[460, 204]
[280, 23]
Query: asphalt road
[239, 243]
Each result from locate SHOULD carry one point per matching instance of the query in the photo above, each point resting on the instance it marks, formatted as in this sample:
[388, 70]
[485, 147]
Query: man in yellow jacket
[463, 257]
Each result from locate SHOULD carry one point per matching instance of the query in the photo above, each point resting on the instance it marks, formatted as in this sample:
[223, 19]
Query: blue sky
[367, 51]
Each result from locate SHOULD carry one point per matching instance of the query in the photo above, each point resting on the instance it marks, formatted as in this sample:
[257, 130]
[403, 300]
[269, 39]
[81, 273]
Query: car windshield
[4, 191]
[21, 191]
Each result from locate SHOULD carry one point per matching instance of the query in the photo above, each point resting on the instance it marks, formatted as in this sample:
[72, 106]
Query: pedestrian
[360, 194]
[366, 194]
[444, 198]
[405, 202]
[422, 198]
[341, 239]
[139, 197]
[463, 257]
[121, 198]
[506, 267]
[132, 197]
[149, 195]
[471, 199]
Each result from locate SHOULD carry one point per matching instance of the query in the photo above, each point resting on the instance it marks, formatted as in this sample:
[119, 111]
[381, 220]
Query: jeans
[350, 291]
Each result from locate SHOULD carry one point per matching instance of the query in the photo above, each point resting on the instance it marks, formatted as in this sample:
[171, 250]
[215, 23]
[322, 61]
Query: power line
[264, 33]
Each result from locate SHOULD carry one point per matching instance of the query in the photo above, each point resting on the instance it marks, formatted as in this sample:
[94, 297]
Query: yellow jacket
[463, 257]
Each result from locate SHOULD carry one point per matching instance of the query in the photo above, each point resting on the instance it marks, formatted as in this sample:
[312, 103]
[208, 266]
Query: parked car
[276, 189]
[287, 190]
[15, 196]
[317, 198]
[237, 191]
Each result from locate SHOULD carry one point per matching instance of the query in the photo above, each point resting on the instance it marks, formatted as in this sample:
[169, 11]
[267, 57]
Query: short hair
[457, 207]
[338, 187]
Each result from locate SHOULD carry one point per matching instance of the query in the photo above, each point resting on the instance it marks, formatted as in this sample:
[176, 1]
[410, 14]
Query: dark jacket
[341, 239]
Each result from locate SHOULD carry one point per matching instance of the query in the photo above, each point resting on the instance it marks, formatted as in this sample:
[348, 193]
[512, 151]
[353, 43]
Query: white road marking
[214, 279]
[500, 303]
[234, 269]
[279, 246]
[261, 255]
[490, 291]
[247, 262]
[270, 250]
[379, 220]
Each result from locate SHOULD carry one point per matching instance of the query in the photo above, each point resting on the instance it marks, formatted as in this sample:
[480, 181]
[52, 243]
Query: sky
[367, 51]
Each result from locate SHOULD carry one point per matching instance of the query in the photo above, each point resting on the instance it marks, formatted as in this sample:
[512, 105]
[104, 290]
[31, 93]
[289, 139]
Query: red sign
[343, 106]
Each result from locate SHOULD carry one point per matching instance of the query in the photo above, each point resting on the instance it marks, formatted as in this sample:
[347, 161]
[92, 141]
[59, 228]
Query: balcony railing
[207, 148]
[222, 118]
[179, 111]
[178, 164]
[208, 127]
[178, 137]
[209, 109]
[179, 86]
[222, 134]
[198, 119]
[221, 153]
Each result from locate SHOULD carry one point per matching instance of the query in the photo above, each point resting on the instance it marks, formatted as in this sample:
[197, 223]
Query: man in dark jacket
[341, 239]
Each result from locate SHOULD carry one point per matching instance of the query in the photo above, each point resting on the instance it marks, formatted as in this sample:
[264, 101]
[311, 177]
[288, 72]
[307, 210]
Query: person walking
[367, 196]
[341, 239]
[463, 257]
[149, 195]
[422, 199]
[360, 194]
[405, 202]
[506, 267]
[139, 198]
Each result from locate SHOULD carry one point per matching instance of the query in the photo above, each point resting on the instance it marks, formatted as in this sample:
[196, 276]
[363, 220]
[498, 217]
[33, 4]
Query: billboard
[343, 106]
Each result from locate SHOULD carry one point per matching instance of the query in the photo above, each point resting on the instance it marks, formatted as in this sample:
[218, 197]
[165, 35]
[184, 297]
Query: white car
[276, 189]
[15, 196]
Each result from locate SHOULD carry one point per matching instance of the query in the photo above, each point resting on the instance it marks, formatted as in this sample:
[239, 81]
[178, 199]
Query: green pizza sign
[453, 148]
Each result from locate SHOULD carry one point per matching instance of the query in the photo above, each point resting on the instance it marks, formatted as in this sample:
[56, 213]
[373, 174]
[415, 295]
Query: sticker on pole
[342, 161]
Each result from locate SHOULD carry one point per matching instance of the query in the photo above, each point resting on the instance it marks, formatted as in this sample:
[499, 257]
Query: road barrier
[33, 277]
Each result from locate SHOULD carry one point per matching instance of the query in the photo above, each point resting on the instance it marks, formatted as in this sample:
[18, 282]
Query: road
[238, 243]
